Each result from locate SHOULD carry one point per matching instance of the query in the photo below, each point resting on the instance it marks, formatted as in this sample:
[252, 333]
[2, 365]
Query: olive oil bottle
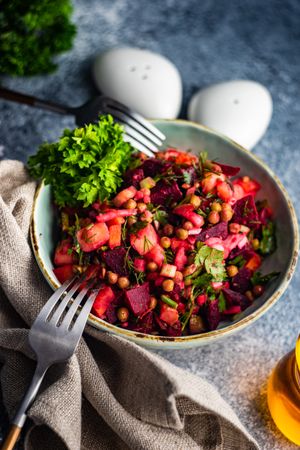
[284, 395]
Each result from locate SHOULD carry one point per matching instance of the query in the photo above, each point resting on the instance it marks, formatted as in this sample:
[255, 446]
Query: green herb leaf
[85, 165]
[161, 216]
[215, 266]
[140, 225]
[258, 278]
[202, 281]
[187, 177]
[212, 259]
[268, 240]
[237, 261]
[169, 256]
[202, 253]
[222, 302]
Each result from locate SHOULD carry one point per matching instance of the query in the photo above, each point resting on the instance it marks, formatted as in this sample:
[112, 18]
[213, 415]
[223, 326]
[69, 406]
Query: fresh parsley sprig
[86, 164]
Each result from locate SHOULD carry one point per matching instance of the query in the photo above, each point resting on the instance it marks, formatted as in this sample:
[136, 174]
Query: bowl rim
[198, 339]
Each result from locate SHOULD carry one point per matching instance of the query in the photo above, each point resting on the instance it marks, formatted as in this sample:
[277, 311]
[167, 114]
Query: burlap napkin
[112, 394]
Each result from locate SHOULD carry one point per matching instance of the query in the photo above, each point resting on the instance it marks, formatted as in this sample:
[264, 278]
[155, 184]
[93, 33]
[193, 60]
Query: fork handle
[20, 417]
[14, 96]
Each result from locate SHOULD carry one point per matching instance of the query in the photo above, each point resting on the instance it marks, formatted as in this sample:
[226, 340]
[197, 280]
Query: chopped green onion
[169, 301]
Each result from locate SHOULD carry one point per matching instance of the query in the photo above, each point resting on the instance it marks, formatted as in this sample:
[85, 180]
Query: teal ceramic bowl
[186, 135]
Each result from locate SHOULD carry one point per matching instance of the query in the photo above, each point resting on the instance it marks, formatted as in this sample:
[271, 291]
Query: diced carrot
[116, 221]
[104, 297]
[114, 236]
[168, 314]
[254, 262]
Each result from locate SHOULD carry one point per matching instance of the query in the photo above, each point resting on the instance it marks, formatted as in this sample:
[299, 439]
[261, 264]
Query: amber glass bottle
[284, 395]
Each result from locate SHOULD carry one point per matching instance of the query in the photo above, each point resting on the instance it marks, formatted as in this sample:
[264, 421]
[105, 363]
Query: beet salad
[176, 248]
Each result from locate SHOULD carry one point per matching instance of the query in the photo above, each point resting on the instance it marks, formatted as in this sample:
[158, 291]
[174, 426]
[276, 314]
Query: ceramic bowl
[186, 135]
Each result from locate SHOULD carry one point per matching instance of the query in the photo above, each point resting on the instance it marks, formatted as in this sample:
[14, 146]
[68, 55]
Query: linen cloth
[112, 394]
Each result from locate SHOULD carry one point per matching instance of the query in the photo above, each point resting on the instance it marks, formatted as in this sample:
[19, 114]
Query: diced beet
[176, 293]
[64, 273]
[164, 193]
[241, 281]
[111, 312]
[174, 330]
[246, 252]
[232, 310]
[174, 220]
[168, 330]
[264, 215]
[152, 167]
[115, 260]
[220, 230]
[189, 171]
[234, 298]
[229, 171]
[212, 314]
[146, 323]
[138, 299]
[245, 212]
[134, 176]
[161, 324]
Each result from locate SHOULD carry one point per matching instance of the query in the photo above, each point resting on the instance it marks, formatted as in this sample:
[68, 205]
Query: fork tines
[139, 132]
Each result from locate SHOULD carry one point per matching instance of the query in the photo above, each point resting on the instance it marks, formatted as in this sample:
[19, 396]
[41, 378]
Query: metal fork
[54, 337]
[143, 136]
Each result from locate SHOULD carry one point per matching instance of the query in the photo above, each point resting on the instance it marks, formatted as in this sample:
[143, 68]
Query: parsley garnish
[212, 259]
[86, 164]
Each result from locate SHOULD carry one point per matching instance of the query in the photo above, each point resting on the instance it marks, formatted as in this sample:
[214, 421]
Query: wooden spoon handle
[11, 438]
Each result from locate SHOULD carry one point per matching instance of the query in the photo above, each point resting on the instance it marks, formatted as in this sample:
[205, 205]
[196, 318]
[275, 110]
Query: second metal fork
[54, 337]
